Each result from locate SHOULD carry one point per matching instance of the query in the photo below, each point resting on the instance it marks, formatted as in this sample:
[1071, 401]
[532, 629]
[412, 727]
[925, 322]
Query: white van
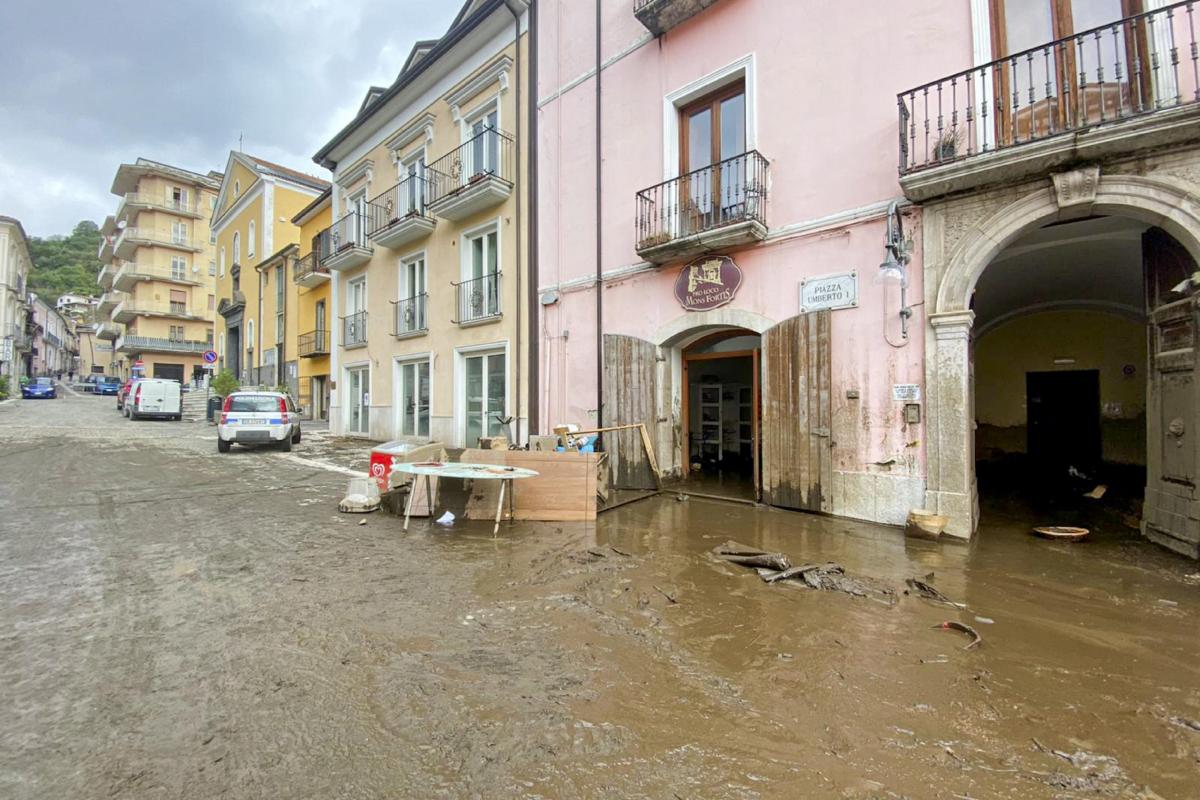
[155, 398]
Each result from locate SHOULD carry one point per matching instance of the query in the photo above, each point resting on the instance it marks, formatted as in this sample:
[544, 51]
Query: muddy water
[741, 689]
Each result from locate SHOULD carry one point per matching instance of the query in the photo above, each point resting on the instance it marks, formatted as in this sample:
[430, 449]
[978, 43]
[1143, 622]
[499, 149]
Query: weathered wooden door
[1172, 507]
[630, 397]
[797, 462]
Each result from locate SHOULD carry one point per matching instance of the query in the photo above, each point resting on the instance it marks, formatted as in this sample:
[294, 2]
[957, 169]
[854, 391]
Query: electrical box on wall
[912, 413]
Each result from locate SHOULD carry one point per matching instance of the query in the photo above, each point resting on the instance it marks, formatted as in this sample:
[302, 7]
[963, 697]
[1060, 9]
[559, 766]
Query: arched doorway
[720, 412]
[957, 255]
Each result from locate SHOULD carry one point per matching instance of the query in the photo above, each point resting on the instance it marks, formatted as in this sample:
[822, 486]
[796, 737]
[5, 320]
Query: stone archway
[961, 238]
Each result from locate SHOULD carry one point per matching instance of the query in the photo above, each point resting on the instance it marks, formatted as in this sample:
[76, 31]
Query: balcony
[410, 317]
[156, 344]
[309, 271]
[132, 273]
[715, 207]
[398, 216]
[108, 302]
[478, 300]
[134, 202]
[107, 331]
[130, 239]
[105, 253]
[50, 339]
[659, 16]
[475, 176]
[313, 344]
[105, 277]
[21, 338]
[129, 310]
[344, 244]
[354, 330]
[1117, 89]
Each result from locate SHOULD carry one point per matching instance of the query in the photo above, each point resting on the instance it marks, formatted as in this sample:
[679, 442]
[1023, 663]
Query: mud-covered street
[179, 624]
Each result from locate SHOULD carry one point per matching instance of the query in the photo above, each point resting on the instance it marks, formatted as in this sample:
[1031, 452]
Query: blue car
[108, 386]
[39, 389]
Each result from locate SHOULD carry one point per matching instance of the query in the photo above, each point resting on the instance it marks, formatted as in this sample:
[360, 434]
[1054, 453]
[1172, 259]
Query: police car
[258, 418]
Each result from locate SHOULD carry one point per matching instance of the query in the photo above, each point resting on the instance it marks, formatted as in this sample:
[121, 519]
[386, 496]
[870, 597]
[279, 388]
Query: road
[179, 624]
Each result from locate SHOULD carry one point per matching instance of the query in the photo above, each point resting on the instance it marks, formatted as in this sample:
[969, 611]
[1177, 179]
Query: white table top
[460, 469]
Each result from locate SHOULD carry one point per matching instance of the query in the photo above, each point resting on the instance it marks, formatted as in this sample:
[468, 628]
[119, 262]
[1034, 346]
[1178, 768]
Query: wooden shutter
[797, 458]
[630, 392]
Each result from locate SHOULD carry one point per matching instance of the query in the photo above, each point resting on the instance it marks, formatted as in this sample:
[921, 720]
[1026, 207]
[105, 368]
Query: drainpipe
[599, 247]
[258, 329]
[516, 12]
[531, 193]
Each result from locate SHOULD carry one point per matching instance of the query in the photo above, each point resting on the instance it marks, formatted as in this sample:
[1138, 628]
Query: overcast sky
[88, 84]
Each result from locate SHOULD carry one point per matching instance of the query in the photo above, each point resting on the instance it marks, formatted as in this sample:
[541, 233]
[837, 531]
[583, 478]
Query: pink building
[851, 257]
[748, 163]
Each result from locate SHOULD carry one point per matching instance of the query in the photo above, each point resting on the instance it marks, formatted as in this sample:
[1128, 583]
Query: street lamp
[895, 261]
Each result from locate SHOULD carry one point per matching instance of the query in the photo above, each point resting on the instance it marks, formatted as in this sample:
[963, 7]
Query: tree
[66, 264]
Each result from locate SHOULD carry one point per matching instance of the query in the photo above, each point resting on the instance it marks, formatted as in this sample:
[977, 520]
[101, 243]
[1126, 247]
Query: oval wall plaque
[707, 283]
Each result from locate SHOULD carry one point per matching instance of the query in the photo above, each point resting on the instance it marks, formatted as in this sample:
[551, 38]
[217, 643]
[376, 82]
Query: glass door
[414, 192]
[485, 145]
[485, 375]
[484, 294]
[414, 398]
[412, 296]
[359, 421]
[712, 137]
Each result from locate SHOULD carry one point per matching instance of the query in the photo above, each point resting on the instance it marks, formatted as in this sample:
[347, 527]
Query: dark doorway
[1064, 423]
[233, 351]
[169, 372]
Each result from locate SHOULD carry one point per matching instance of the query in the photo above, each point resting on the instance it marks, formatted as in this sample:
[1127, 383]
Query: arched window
[237, 247]
[249, 336]
[250, 239]
[222, 262]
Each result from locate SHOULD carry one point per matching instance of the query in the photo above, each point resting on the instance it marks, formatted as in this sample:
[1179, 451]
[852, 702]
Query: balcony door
[486, 376]
[1081, 82]
[712, 134]
[321, 325]
[485, 144]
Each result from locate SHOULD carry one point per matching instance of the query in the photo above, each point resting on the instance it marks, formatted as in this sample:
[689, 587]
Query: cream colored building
[428, 250]
[15, 264]
[256, 245]
[159, 271]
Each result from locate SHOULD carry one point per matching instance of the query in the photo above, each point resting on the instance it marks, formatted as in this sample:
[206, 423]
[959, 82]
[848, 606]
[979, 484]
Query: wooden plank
[824, 493]
[630, 378]
[564, 491]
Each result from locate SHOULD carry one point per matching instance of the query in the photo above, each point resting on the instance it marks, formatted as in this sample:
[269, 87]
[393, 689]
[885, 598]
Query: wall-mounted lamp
[895, 262]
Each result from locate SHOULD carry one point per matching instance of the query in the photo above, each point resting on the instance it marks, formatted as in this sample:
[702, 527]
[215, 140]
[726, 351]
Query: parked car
[107, 385]
[258, 418]
[123, 393]
[39, 389]
[155, 398]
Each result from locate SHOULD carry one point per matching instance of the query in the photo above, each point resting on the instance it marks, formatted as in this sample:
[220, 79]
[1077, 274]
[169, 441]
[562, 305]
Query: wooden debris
[670, 597]
[619, 551]
[951, 625]
[923, 524]
[751, 557]
[929, 592]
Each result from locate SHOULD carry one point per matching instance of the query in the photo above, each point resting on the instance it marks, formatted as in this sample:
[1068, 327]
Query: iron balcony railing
[730, 191]
[349, 231]
[354, 329]
[410, 315]
[478, 298]
[158, 201]
[313, 343]
[308, 265]
[51, 339]
[488, 154]
[404, 200]
[161, 344]
[1129, 68]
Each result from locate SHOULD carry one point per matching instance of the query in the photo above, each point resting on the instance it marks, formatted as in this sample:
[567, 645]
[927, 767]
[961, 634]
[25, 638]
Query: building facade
[711, 230]
[16, 341]
[55, 348]
[158, 271]
[313, 309]
[77, 306]
[256, 251]
[428, 250]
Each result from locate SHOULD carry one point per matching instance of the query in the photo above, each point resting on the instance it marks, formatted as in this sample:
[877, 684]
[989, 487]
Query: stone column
[951, 454]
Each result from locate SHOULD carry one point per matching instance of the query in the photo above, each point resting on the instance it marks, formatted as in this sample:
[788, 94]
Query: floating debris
[931, 593]
[951, 625]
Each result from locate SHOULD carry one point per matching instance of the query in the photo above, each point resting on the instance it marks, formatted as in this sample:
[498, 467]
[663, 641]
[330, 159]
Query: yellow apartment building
[256, 246]
[428, 248]
[312, 309]
[158, 272]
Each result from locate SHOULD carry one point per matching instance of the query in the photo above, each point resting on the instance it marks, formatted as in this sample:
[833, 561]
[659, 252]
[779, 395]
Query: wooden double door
[794, 462]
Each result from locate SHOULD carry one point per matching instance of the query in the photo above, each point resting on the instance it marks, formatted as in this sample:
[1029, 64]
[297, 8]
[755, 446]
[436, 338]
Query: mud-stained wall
[1114, 345]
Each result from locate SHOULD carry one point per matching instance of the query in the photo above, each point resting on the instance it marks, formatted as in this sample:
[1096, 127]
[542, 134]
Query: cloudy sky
[88, 84]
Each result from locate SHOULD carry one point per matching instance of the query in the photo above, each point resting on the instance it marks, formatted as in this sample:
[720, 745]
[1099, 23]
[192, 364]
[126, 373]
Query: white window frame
[405, 292]
[398, 365]
[179, 232]
[182, 274]
[466, 272]
[742, 69]
[346, 369]
[222, 271]
[461, 354]
[250, 239]
[419, 158]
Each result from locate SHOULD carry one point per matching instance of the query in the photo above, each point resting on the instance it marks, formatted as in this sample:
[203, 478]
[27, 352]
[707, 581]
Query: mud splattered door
[797, 462]
[1172, 507]
[630, 395]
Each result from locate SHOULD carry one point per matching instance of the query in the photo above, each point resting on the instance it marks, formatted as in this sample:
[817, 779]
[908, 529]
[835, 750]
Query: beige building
[15, 264]
[159, 271]
[428, 250]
